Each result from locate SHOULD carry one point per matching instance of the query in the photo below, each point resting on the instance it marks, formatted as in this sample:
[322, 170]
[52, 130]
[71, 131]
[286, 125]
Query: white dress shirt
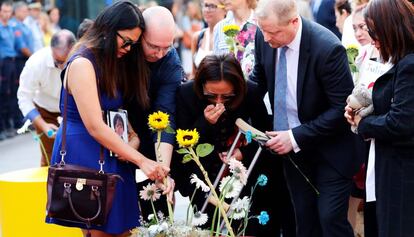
[39, 83]
[292, 62]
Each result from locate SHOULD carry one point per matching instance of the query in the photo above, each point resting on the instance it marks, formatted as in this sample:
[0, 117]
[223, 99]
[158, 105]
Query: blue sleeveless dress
[82, 149]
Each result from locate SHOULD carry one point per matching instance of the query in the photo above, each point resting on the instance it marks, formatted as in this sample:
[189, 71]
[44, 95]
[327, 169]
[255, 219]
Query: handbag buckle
[79, 184]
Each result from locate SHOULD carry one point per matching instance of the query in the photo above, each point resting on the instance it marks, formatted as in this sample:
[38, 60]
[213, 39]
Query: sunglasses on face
[126, 42]
[215, 97]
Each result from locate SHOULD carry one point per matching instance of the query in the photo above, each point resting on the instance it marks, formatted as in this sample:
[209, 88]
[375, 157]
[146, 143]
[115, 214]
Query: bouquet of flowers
[231, 31]
[352, 52]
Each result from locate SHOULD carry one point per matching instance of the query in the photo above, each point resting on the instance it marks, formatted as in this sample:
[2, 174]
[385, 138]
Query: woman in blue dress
[109, 59]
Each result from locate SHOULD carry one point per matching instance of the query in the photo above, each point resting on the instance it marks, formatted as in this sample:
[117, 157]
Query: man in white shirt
[39, 89]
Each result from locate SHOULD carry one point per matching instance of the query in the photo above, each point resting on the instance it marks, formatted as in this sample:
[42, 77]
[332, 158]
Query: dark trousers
[370, 220]
[324, 215]
[8, 93]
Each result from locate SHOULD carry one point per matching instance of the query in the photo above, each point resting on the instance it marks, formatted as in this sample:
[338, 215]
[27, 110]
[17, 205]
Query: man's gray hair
[63, 39]
[19, 4]
[283, 10]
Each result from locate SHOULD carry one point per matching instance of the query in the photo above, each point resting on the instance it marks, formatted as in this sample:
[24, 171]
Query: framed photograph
[118, 122]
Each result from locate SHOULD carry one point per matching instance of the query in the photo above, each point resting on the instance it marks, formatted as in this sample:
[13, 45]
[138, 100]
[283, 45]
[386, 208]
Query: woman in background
[391, 26]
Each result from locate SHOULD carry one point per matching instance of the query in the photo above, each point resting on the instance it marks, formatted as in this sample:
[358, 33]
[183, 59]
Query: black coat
[392, 126]
[190, 115]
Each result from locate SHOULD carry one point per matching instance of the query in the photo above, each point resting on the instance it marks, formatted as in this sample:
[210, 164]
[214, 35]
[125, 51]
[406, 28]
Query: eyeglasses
[157, 48]
[211, 6]
[58, 63]
[361, 26]
[126, 42]
[215, 97]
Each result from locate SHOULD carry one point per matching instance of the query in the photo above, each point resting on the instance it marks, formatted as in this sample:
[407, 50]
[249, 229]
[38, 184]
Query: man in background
[39, 90]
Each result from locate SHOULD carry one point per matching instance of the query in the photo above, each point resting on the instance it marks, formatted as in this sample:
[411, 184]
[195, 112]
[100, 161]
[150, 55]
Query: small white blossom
[238, 170]
[230, 187]
[240, 208]
[199, 219]
[199, 183]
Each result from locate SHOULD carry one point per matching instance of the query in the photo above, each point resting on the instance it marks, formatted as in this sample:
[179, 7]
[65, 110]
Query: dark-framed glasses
[211, 6]
[126, 42]
[157, 48]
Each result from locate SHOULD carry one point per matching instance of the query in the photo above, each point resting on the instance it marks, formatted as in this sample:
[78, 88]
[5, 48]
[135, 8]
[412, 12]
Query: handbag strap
[65, 105]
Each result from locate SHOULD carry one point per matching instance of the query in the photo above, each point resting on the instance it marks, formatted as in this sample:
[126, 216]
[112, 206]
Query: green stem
[42, 147]
[160, 160]
[190, 205]
[153, 210]
[213, 191]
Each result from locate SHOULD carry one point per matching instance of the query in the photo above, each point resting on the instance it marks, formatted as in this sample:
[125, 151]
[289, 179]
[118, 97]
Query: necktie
[280, 120]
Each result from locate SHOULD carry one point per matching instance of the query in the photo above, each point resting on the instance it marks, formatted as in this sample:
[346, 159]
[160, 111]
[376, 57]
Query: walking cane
[222, 169]
[260, 138]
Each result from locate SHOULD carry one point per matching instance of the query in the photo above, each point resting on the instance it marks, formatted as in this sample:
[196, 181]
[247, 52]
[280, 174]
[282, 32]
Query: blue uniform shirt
[7, 41]
[24, 37]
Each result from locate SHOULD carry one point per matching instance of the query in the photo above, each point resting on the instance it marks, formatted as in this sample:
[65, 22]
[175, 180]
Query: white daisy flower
[240, 208]
[199, 183]
[230, 187]
[150, 192]
[150, 217]
[238, 170]
[199, 219]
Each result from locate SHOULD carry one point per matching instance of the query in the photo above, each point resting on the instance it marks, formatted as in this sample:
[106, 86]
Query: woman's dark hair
[129, 74]
[343, 5]
[215, 68]
[391, 24]
[115, 120]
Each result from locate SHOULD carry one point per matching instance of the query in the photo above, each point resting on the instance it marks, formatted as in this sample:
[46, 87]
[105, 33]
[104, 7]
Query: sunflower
[231, 30]
[158, 121]
[187, 138]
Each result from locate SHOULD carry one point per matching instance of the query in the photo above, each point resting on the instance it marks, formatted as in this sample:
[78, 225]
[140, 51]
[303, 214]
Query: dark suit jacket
[326, 16]
[323, 84]
[392, 126]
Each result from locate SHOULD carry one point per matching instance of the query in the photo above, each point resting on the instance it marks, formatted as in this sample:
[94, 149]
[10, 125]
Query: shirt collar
[295, 44]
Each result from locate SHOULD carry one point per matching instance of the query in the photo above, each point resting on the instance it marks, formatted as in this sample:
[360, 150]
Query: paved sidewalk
[19, 152]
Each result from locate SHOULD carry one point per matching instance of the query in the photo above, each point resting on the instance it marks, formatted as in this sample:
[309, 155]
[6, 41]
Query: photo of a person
[118, 125]
[118, 122]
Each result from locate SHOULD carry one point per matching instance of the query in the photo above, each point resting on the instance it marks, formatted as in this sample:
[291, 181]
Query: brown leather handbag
[78, 194]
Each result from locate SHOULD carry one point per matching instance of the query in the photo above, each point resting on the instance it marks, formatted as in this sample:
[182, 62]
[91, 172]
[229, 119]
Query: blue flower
[263, 218]
[262, 180]
[36, 138]
[248, 136]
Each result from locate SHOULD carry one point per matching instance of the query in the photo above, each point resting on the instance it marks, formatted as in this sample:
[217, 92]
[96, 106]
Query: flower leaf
[169, 130]
[186, 158]
[204, 149]
[183, 151]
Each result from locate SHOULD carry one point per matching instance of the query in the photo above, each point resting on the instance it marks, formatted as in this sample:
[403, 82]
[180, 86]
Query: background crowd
[290, 74]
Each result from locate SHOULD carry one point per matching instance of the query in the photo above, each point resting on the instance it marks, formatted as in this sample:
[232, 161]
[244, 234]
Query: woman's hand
[213, 112]
[167, 185]
[236, 154]
[153, 170]
[352, 117]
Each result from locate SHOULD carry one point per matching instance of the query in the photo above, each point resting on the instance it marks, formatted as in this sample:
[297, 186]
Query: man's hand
[279, 142]
[213, 112]
[167, 185]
